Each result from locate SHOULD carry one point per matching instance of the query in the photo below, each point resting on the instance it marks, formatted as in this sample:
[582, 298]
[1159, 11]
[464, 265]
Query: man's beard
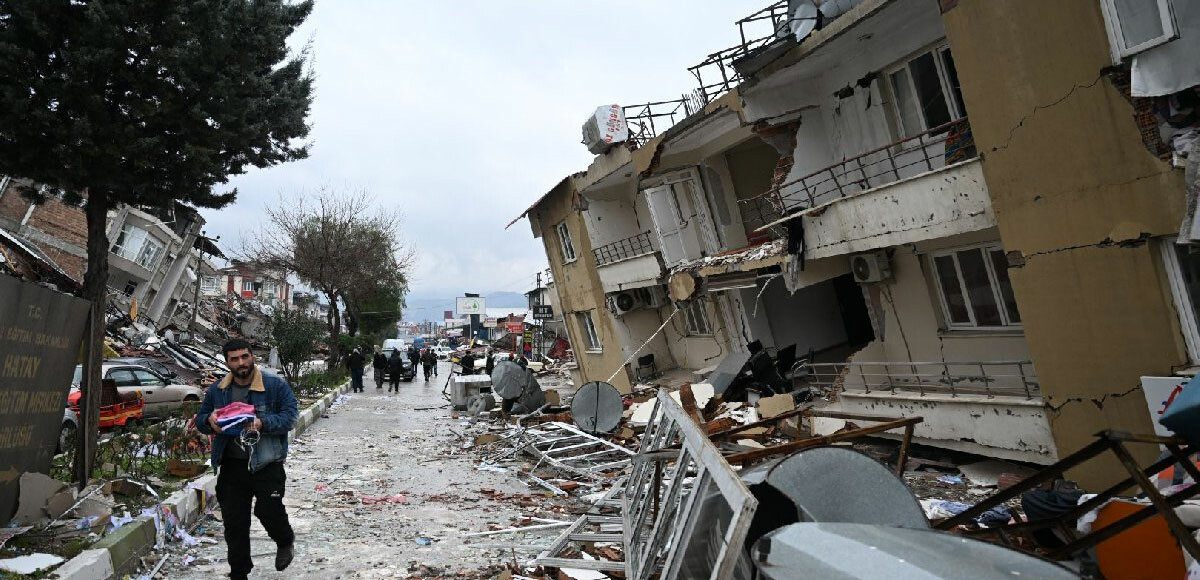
[244, 372]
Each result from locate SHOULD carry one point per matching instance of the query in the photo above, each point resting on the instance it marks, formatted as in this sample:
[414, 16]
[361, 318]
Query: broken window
[135, 244]
[588, 329]
[974, 288]
[925, 92]
[1183, 271]
[564, 240]
[697, 319]
[1137, 25]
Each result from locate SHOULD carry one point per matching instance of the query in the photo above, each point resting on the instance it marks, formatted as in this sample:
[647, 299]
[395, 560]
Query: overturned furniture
[1115, 442]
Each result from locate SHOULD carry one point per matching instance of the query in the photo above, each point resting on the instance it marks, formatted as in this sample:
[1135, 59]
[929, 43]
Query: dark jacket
[490, 365]
[274, 404]
[468, 363]
[428, 358]
[380, 361]
[395, 362]
[356, 361]
[413, 355]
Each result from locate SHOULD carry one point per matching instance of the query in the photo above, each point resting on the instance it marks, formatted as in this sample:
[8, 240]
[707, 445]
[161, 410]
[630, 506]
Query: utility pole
[541, 324]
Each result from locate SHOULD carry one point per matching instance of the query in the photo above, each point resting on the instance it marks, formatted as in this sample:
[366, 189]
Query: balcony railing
[716, 74]
[1009, 378]
[646, 121]
[928, 151]
[631, 247]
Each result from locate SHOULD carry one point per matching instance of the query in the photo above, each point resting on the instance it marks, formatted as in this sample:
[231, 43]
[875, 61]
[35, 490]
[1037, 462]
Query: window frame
[993, 282]
[1184, 307]
[956, 109]
[565, 243]
[587, 328]
[690, 317]
[1116, 36]
[210, 283]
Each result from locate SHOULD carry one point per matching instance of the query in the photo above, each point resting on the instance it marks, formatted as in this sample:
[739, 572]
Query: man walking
[379, 363]
[356, 361]
[395, 369]
[249, 456]
[428, 362]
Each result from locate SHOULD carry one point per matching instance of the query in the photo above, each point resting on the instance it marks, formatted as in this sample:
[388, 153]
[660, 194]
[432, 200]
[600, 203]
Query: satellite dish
[597, 407]
[831, 9]
[802, 18]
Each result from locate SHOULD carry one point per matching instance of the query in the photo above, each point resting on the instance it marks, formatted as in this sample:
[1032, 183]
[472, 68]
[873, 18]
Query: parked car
[442, 352]
[153, 364]
[160, 395]
[70, 426]
[408, 374]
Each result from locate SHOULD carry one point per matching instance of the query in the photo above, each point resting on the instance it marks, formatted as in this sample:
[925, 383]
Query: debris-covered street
[382, 488]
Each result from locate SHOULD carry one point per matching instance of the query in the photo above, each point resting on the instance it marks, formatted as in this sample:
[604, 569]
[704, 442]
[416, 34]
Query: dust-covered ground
[384, 486]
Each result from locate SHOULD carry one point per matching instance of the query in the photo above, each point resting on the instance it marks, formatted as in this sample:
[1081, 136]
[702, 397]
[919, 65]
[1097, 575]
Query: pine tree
[148, 103]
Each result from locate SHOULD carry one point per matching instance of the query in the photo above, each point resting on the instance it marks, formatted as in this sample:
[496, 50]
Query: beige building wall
[1076, 195]
[578, 285]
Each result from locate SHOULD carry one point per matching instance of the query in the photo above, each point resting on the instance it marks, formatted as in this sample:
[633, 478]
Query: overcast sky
[463, 113]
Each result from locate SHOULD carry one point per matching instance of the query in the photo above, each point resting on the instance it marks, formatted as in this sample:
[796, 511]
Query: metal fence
[1007, 378]
[943, 145]
[716, 75]
[631, 247]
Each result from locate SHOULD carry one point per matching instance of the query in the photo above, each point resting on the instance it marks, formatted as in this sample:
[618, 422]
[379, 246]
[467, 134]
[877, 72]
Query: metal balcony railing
[631, 247]
[647, 120]
[928, 151]
[1008, 378]
[716, 74]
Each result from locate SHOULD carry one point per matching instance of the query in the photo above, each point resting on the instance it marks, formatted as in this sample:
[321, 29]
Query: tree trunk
[335, 330]
[95, 284]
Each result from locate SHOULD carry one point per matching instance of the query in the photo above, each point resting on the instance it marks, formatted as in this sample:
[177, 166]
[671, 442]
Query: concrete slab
[88, 565]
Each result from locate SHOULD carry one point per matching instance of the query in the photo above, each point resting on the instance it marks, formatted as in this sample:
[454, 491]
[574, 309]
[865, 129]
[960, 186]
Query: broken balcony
[628, 263]
[988, 407]
[927, 186]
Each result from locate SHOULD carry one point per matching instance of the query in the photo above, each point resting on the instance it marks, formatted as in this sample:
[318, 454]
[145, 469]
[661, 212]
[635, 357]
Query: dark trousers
[428, 370]
[379, 373]
[236, 489]
[394, 380]
[356, 376]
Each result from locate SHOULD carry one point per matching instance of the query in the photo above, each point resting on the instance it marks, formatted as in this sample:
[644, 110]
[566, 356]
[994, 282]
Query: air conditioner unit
[654, 296]
[623, 302]
[605, 128]
[870, 267]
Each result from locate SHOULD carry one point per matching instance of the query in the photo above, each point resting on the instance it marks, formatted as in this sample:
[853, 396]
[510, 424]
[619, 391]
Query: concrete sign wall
[40, 332]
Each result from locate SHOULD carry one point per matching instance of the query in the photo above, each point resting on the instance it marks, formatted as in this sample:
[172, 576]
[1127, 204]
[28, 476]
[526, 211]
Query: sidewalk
[346, 479]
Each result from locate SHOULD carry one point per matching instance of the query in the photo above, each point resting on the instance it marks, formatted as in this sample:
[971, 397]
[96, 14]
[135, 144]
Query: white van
[394, 344]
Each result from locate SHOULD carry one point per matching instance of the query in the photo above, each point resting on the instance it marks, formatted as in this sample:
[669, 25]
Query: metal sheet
[730, 367]
[805, 478]
[837, 551]
[597, 407]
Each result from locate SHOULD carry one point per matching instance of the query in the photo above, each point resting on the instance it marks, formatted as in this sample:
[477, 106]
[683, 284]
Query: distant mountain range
[421, 309]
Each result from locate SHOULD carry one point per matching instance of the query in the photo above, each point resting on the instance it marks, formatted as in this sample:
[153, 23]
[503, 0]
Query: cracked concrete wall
[1076, 195]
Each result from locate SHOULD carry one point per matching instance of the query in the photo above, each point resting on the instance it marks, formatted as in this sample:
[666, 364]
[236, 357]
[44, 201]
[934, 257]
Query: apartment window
[1137, 25]
[925, 92]
[588, 328]
[135, 244]
[249, 286]
[1183, 271]
[270, 288]
[209, 283]
[697, 319]
[974, 288]
[564, 240]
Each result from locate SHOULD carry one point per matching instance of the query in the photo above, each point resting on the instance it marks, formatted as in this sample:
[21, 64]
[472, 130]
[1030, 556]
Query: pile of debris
[687, 483]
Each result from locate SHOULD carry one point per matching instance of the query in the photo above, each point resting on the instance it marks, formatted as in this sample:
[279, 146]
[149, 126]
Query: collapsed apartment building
[161, 270]
[963, 210]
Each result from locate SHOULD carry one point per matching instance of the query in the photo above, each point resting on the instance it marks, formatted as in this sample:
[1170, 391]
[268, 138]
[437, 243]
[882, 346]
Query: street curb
[116, 551]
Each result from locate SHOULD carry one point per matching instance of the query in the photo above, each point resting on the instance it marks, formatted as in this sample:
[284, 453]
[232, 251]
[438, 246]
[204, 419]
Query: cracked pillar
[1083, 204]
[166, 290]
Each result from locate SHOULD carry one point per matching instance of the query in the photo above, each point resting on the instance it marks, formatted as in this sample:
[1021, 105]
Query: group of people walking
[390, 366]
